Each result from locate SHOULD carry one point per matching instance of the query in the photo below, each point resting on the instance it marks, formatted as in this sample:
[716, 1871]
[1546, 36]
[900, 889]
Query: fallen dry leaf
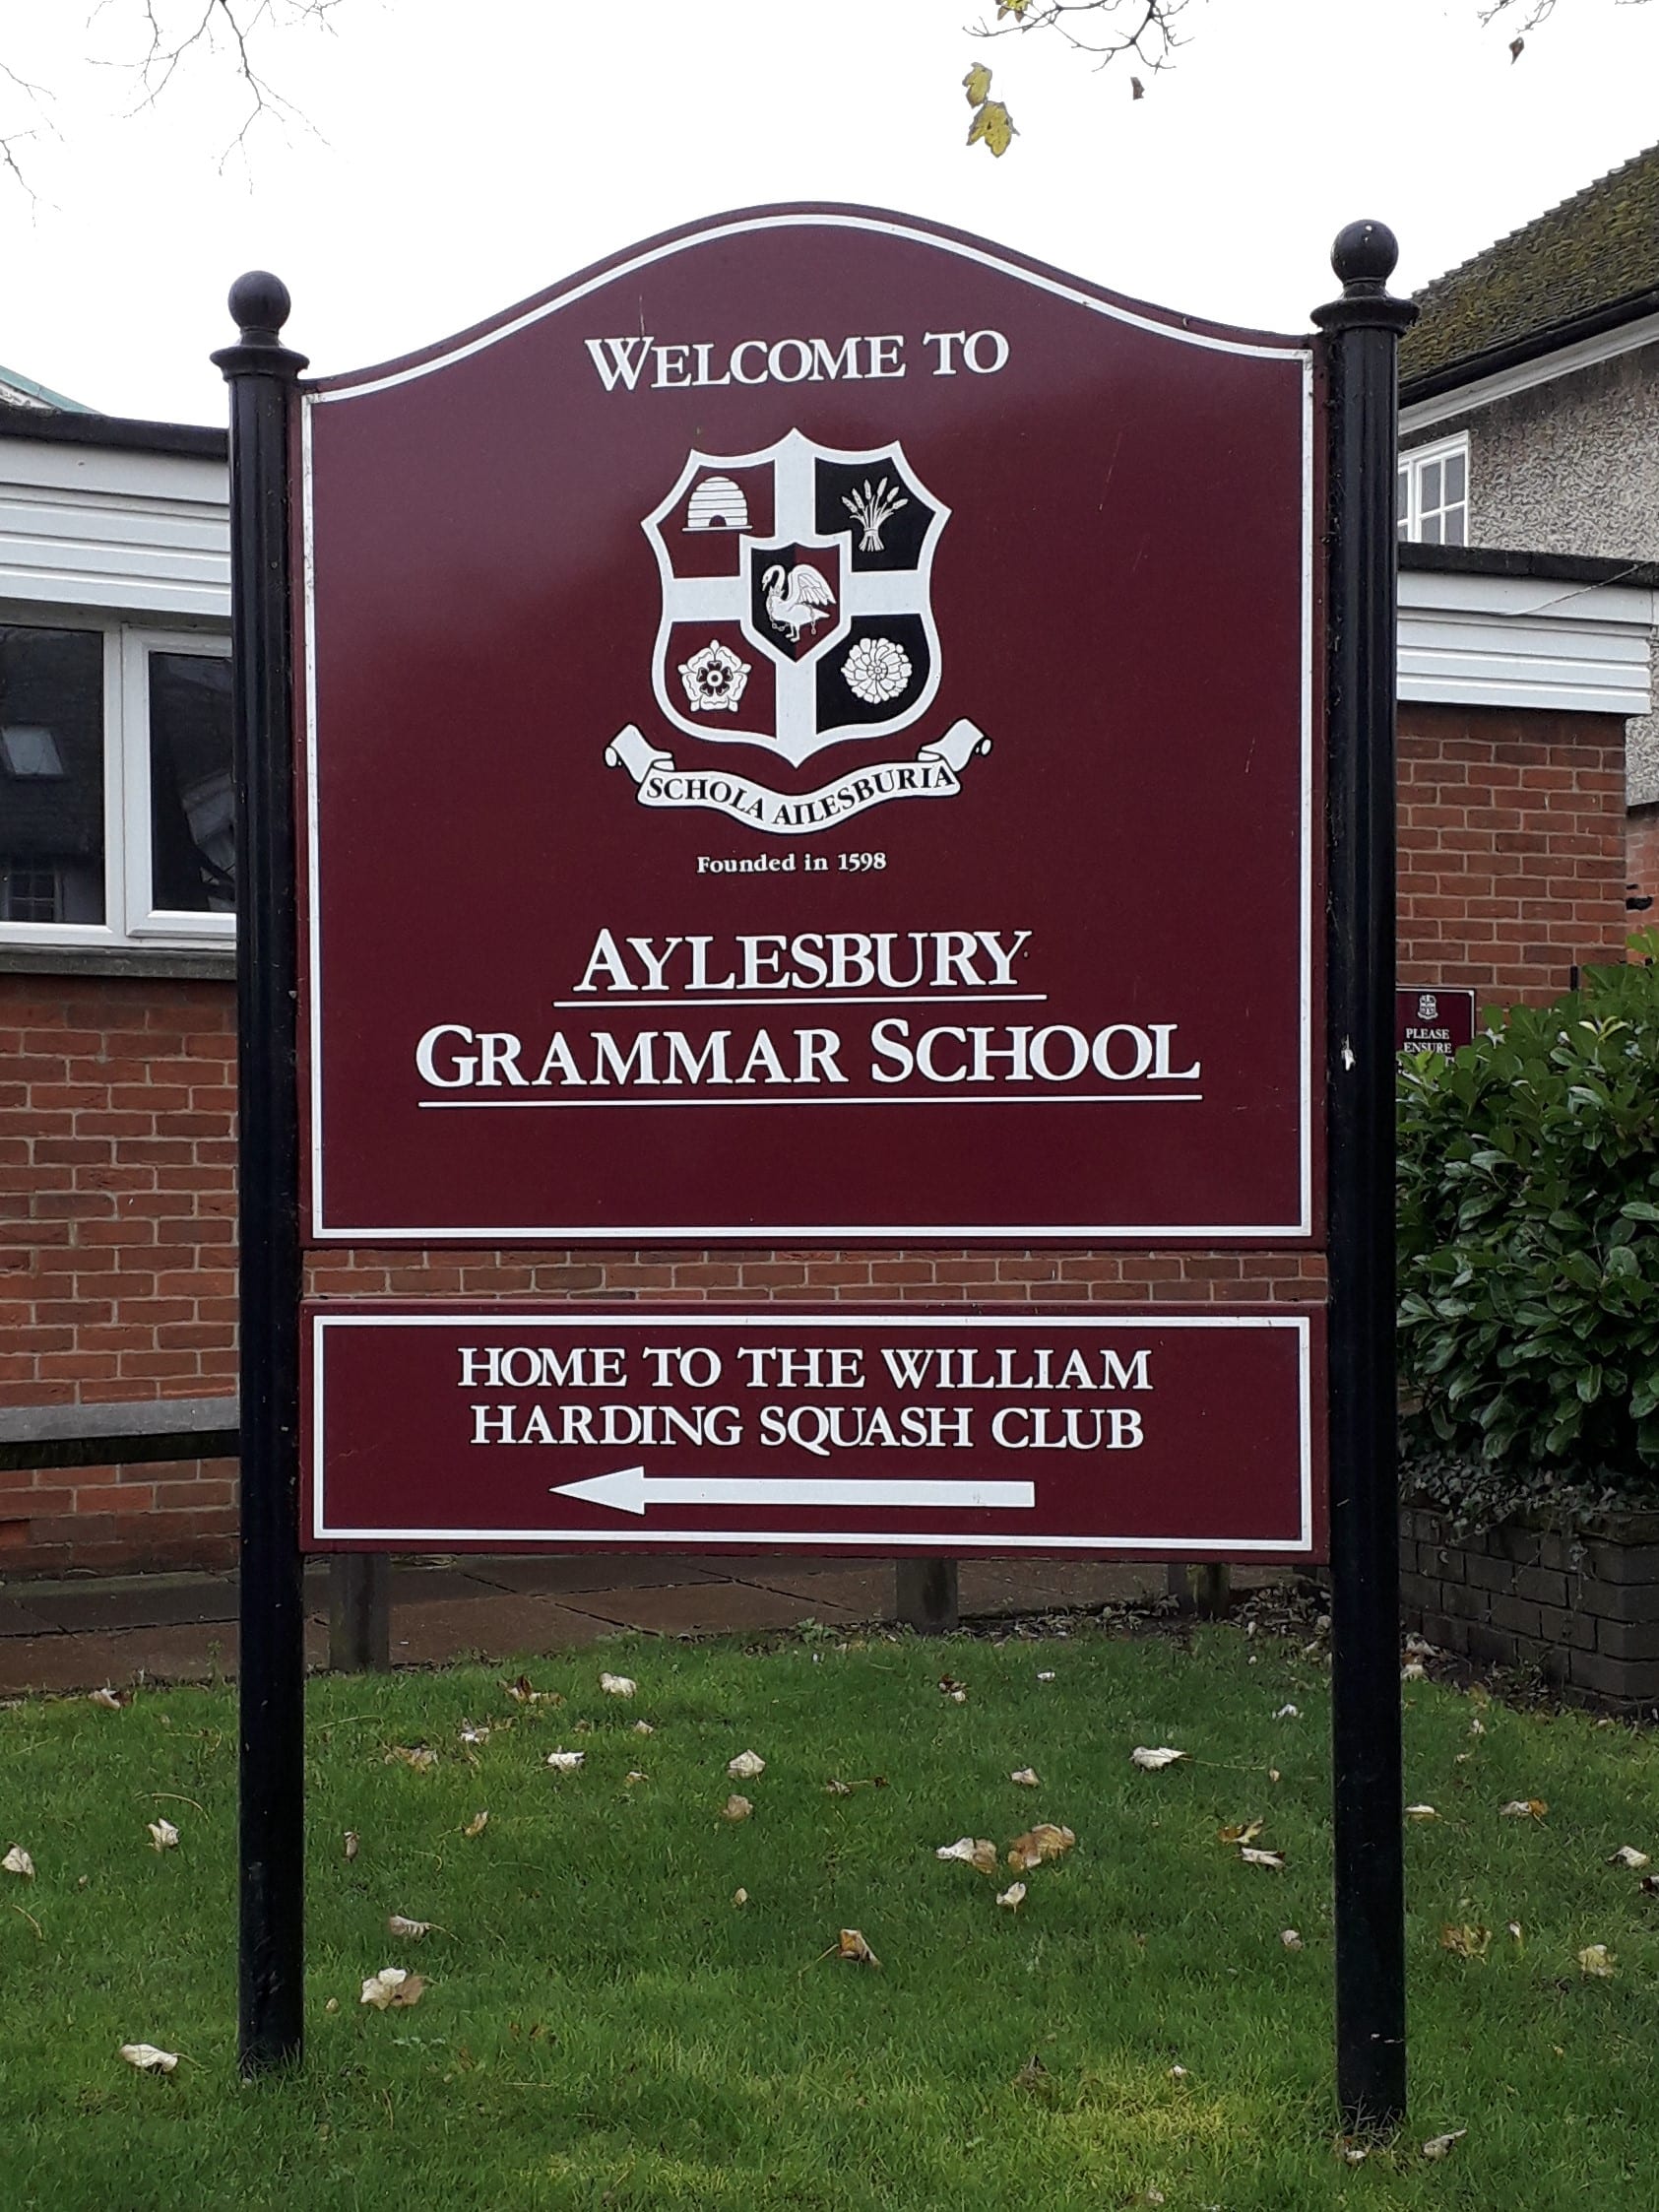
[1287, 1712]
[522, 1693]
[1465, 1943]
[1039, 1845]
[470, 1734]
[150, 2058]
[1413, 1671]
[1439, 2145]
[1418, 1647]
[1273, 1859]
[333, 2005]
[1026, 1777]
[1650, 1883]
[1523, 1808]
[393, 1987]
[617, 1685]
[1288, 1937]
[397, 1924]
[164, 1836]
[1273, 1774]
[634, 1773]
[1513, 1931]
[476, 1825]
[746, 1766]
[1596, 1959]
[1152, 1759]
[18, 1861]
[739, 1897]
[1178, 2073]
[351, 1842]
[644, 1727]
[1420, 1812]
[977, 1852]
[565, 1762]
[1477, 1726]
[1045, 1674]
[735, 1808]
[1239, 1831]
[1031, 2074]
[853, 1944]
[420, 1757]
[1355, 2153]
[1013, 1896]
[1627, 1856]
[835, 1788]
[112, 1701]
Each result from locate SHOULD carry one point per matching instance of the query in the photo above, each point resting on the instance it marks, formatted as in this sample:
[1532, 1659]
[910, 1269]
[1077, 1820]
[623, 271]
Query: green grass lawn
[603, 2026]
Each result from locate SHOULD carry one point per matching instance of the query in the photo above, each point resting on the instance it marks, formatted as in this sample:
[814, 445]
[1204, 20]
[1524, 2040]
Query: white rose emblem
[714, 678]
[876, 669]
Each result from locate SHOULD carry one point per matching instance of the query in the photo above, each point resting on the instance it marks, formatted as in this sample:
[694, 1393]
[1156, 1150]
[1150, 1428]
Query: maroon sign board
[1431, 1019]
[813, 661]
[491, 1427]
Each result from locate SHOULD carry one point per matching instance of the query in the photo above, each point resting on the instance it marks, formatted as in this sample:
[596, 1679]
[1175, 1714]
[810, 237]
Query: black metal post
[1362, 347]
[262, 374]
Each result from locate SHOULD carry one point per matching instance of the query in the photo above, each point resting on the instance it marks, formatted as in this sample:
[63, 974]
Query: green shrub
[1529, 1254]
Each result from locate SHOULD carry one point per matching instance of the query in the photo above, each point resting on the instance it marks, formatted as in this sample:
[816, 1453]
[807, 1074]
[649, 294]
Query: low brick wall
[1583, 1610]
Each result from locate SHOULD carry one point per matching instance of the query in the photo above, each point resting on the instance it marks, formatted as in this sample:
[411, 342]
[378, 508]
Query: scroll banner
[934, 773]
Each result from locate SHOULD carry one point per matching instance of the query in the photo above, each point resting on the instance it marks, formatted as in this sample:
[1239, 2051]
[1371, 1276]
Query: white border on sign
[322, 1230]
[718, 1318]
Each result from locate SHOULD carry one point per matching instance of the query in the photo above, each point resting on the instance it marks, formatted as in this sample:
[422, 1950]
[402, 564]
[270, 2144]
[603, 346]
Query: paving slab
[863, 1593]
[16, 1619]
[595, 1570]
[489, 1625]
[134, 1603]
[717, 1610]
[189, 1652]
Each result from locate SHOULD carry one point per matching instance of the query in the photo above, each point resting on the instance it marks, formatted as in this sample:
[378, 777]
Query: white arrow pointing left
[632, 1490]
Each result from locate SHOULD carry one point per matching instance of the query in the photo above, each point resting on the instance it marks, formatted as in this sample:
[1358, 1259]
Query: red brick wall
[1642, 865]
[117, 1106]
[1511, 848]
[117, 1250]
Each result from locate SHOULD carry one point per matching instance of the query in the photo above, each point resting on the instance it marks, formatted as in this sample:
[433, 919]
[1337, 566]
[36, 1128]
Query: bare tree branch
[1142, 28]
[234, 33]
[34, 98]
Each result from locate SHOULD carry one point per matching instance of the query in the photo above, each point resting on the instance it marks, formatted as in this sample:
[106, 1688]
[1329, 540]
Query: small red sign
[1430, 1018]
[1136, 1435]
[815, 660]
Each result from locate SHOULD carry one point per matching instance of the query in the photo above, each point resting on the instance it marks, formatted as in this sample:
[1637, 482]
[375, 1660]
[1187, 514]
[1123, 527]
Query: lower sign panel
[1141, 1435]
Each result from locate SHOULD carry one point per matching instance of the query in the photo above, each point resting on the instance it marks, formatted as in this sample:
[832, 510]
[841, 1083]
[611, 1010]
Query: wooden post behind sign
[1363, 330]
[262, 372]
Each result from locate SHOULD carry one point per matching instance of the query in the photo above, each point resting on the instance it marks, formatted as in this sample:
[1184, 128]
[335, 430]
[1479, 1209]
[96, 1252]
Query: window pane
[1454, 478]
[1402, 498]
[1456, 524]
[1431, 530]
[1430, 494]
[192, 813]
[51, 775]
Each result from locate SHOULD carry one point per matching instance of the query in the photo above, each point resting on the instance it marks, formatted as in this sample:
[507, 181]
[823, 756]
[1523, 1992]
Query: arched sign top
[715, 231]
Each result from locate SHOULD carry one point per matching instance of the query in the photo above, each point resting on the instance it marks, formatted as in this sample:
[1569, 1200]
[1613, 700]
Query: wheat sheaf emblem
[873, 510]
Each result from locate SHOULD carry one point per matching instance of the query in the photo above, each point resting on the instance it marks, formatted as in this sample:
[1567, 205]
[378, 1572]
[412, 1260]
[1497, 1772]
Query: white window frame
[130, 919]
[146, 923]
[1411, 466]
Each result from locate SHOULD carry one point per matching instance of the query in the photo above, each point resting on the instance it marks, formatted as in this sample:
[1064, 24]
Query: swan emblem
[795, 598]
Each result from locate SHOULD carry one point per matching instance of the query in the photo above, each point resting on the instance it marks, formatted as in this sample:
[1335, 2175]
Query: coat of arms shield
[797, 608]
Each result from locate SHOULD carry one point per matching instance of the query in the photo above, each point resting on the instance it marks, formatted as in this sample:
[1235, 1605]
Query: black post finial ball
[259, 303]
[1363, 256]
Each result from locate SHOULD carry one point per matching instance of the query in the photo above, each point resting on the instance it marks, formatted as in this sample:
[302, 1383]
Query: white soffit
[1563, 361]
[106, 528]
[1514, 641]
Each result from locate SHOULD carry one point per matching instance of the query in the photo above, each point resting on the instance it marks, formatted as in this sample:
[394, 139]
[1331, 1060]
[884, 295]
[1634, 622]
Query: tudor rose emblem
[796, 615]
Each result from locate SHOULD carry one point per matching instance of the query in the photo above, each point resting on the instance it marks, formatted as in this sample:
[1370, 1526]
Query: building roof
[1584, 267]
[35, 399]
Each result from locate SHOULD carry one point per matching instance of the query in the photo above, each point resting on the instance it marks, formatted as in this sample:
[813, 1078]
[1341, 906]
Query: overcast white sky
[466, 152]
